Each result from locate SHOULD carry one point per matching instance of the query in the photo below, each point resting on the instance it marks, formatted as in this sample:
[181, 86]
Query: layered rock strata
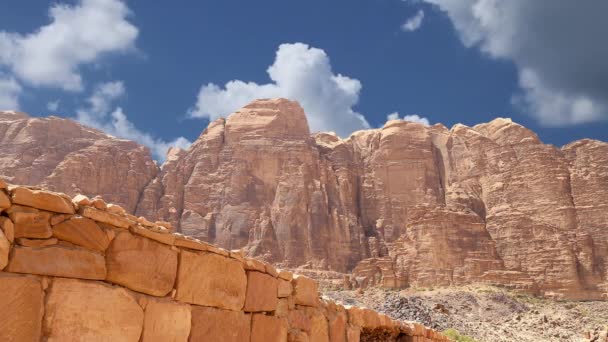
[102, 274]
[402, 205]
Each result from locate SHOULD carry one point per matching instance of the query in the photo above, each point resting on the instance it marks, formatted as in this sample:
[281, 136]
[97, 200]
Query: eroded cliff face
[63, 155]
[403, 205]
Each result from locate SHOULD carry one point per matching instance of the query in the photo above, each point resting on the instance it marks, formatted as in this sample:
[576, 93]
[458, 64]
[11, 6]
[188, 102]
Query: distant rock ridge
[402, 205]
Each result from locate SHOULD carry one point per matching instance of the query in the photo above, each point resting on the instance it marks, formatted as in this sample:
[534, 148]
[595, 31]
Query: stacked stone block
[83, 270]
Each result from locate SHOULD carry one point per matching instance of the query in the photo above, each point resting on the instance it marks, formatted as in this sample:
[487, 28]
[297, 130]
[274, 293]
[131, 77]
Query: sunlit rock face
[402, 205]
[62, 155]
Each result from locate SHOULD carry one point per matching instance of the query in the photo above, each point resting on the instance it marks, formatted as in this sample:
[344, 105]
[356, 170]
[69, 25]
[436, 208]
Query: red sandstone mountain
[402, 205]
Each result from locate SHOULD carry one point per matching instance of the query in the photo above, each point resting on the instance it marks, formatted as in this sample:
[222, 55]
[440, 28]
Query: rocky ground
[488, 314]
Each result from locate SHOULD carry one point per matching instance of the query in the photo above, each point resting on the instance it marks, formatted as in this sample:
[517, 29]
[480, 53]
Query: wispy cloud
[413, 23]
[101, 113]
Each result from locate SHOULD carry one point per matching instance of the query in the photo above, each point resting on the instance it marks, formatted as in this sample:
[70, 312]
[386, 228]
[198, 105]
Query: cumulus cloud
[77, 35]
[9, 93]
[413, 23]
[300, 73]
[102, 114]
[411, 118]
[558, 47]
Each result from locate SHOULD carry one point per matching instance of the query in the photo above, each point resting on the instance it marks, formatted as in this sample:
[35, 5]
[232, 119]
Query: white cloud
[558, 47]
[77, 35]
[300, 73]
[411, 118]
[9, 93]
[413, 23]
[99, 114]
[53, 106]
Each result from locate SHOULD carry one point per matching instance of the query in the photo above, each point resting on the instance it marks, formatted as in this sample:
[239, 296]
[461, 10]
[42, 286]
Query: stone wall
[83, 270]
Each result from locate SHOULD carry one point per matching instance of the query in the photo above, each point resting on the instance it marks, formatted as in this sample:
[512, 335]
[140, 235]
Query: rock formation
[402, 205]
[86, 281]
[63, 155]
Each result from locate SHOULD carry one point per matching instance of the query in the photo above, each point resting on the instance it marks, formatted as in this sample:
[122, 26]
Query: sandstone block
[285, 275]
[285, 289]
[305, 291]
[261, 292]
[166, 321]
[141, 264]
[45, 200]
[30, 222]
[337, 328]
[7, 226]
[58, 218]
[364, 317]
[298, 319]
[189, 242]
[99, 203]
[297, 336]
[5, 202]
[3, 184]
[254, 265]
[353, 333]
[22, 308]
[166, 238]
[81, 200]
[78, 310]
[282, 309]
[268, 329]
[212, 280]
[211, 324]
[270, 269]
[105, 217]
[59, 261]
[83, 232]
[5, 248]
[319, 329]
[36, 242]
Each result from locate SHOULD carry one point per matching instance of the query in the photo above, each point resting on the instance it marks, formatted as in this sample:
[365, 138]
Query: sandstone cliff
[402, 205]
[63, 155]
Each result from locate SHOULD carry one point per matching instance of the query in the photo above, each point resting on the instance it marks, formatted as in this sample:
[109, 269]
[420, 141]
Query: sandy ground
[488, 314]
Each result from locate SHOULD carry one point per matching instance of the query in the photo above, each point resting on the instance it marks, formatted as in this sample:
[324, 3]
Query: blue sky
[138, 68]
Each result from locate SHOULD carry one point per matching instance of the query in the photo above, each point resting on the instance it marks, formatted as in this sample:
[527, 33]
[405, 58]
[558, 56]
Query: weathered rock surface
[262, 292]
[60, 261]
[22, 303]
[211, 324]
[268, 329]
[166, 321]
[211, 280]
[78, 310]
[402, 205]
[411, 205]
[141, 264]
[83, 232]
[63, 155]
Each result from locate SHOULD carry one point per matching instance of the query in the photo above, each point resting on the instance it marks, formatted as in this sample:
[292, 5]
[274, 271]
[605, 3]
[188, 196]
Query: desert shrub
[456, 336]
